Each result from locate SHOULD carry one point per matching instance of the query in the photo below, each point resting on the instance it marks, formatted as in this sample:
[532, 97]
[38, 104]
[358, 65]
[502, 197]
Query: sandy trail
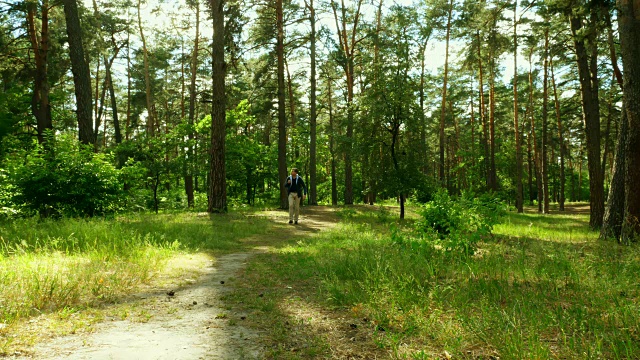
[194, 323]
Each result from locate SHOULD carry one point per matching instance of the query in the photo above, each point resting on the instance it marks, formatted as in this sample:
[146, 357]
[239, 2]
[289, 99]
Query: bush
[7, 209]
[460, 223]
[68, 179]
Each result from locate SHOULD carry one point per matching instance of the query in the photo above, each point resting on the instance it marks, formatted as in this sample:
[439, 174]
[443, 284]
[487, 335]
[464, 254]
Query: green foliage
[67, 179]
[7, 208]
[459, 224]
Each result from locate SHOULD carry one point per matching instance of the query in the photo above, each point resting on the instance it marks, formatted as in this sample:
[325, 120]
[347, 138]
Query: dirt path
[192, 322]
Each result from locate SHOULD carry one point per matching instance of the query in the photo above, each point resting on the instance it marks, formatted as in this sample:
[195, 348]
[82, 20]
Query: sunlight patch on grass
[566, 228]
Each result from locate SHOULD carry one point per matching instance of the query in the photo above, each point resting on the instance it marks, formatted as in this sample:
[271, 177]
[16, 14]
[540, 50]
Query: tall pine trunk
[334, 187]
[190, 163]
[519, 191]
[151, 125]
[587, 71]
[444, 98]
[348, 46]
[536, 153]
[40, 106]
[493, 179]
[561, 197]
[81, 73]
[482, 114]
[217, 178]
[313, 196]
[629, 27]
[114, 109]
[545, 117]
[282, 116]
[614, 209]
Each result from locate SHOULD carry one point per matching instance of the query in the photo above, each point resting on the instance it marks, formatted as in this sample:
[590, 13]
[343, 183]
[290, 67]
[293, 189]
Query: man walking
[297, 190]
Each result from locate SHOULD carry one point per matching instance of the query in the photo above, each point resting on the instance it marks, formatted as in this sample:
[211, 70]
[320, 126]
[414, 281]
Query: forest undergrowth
[516, 286]
[538, 287]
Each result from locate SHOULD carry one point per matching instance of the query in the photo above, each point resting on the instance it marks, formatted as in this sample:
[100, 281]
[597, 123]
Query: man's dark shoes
[296, 222]
[291, 222]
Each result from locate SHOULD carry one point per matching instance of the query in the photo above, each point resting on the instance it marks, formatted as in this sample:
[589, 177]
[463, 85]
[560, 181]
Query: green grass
[50, 266]
[555, 228]
[542, 287]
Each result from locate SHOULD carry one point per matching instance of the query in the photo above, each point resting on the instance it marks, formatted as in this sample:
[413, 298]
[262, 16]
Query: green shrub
[459, 223]
[7, 208]
[68, 179]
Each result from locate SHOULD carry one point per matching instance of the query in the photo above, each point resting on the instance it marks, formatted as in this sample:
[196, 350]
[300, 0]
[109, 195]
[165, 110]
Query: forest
[138, 105]
[472, 171]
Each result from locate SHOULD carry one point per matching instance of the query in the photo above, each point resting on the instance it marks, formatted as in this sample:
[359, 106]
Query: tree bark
[40, 106]
[444, 97]
[614, 210]
[282, 117]
[188, 177]
[114, 108]
[561, 197]
[482, 114]
[295, 149]
[313, 197]
[493, 179]
[587, 71]
[519, 191]
[128, 123]
[629, 27]
[151, 125]
[348, 46]
[80, 70]
[217, 178]
[536, 153]
[545, 117]
[334, 185]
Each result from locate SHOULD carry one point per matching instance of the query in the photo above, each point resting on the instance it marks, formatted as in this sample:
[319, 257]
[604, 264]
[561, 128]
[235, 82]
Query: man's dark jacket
[296, 186]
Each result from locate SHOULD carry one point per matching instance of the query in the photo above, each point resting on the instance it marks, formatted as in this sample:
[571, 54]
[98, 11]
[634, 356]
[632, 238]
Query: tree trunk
[100, 96]
[587, 71]
[473, 128]
[395, 130]
[545, 117]
[560, 137]
[282, 117]
[629, 27]
[313, 197]
[128, 124]
[607, 131]
[614, 210]
[295, 149]
[217, 178]
[348, 48]
[423, 117]
[147, 80]
[536, 154]
[334, 185]
[444, 95]
[190, 163]
[519, 191]
[80, 70]
[482, 115]
[40, 106]
[493, 179]
[530, 169]
[114, 109]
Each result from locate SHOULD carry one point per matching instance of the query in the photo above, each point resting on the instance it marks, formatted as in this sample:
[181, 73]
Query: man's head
[294, 172]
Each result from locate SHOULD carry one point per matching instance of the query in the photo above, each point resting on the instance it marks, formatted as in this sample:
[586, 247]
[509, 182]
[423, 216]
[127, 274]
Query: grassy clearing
[73, 265]
[542, 287]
